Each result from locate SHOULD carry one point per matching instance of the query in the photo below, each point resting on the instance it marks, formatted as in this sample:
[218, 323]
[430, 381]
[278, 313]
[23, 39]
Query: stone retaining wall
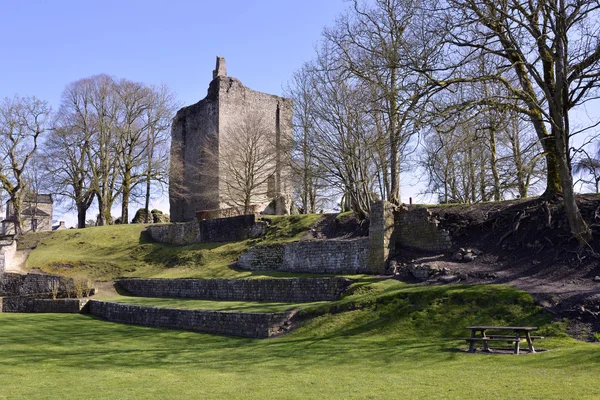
[18, 285]
[293, 290]
[209, 230]
[315, 256]
[26, 304]
[252, 325]
[419, 229]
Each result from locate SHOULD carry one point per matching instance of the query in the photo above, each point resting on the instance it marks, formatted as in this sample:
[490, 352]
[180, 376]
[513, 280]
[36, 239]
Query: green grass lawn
[109, 252]
[397, 343]
[382, 340]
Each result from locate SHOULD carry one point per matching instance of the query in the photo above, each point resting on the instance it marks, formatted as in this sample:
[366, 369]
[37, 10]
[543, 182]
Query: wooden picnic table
[519, 333]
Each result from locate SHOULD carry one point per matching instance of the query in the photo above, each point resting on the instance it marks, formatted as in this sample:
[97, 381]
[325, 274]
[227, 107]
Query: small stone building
[36, 214]
[201, 138]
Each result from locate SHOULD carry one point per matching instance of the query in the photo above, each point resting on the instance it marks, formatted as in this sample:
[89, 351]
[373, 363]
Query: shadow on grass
[86, 342]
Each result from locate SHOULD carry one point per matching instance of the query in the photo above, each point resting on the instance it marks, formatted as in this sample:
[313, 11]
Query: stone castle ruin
[207, 139]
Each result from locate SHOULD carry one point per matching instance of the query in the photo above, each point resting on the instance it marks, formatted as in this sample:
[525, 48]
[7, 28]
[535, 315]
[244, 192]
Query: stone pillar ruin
[220, 69]
[8, 248]
[381, 229]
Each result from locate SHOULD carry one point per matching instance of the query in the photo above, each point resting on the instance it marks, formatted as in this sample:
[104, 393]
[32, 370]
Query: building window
[34, 225]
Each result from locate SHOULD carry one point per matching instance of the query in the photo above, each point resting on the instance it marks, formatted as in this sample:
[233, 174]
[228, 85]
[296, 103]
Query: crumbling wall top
[220, 69]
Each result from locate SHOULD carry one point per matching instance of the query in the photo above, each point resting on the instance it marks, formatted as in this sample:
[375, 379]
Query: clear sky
[48, 44]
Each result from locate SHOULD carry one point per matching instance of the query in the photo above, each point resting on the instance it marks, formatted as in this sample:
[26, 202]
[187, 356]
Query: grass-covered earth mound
[109, 252]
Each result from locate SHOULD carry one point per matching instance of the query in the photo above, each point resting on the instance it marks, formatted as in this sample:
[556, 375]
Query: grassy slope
[396, 346]
[109, 252]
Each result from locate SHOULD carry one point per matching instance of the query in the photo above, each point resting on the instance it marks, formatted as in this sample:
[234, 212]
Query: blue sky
[48, 44]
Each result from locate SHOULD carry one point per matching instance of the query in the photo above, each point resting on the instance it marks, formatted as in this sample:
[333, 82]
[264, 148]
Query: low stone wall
[252, 325]
[209, 230]
[18, 285]
[26, 304]
[228, 212]
[293, 290]
[418, 228]
[315, 256]
[8, 248]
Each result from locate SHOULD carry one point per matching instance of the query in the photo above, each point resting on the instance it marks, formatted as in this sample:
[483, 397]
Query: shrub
[53, 287]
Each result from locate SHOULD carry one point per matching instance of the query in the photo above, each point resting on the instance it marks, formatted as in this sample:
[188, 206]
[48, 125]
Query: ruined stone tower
[201, 135]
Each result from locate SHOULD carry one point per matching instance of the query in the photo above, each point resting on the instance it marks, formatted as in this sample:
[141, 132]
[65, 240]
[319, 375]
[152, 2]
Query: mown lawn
[394, 341]
[73, 357]
[383, 340]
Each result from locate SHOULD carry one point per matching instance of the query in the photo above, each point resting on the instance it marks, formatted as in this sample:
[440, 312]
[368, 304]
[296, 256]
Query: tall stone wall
[419, 229]
[293, 290]
[193, 146]
[199, 140]
[208, 231]
[237, 104]
[252, 325]
[316, 256]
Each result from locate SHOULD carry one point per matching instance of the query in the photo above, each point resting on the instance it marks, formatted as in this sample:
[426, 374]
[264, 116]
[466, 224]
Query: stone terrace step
[252, 325]
[285, 290]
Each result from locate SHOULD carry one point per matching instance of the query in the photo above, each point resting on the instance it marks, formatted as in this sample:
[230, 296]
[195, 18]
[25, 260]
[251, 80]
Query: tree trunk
[101, 221]
[494, 162]
[522, 186]
[126, 192]
[554, 183]
[147, 200]
[394, 145]
[559, 113]
[81, 214]
[125, 205]
[482, 182]
[18, 220]
[471, 180]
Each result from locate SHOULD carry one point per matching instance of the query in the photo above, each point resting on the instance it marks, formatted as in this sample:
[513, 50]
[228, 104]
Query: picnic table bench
[520, 333]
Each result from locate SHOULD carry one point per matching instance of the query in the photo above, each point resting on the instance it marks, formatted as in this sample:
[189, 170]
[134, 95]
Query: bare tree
[66, 151]
[156, 163]
[23, 121]
[103, 161]
[108, 139]
[133, 103]
[309, 184]
[474, 141]
[550, 52]
[247, 158]
[344, 138]
[381, 43]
